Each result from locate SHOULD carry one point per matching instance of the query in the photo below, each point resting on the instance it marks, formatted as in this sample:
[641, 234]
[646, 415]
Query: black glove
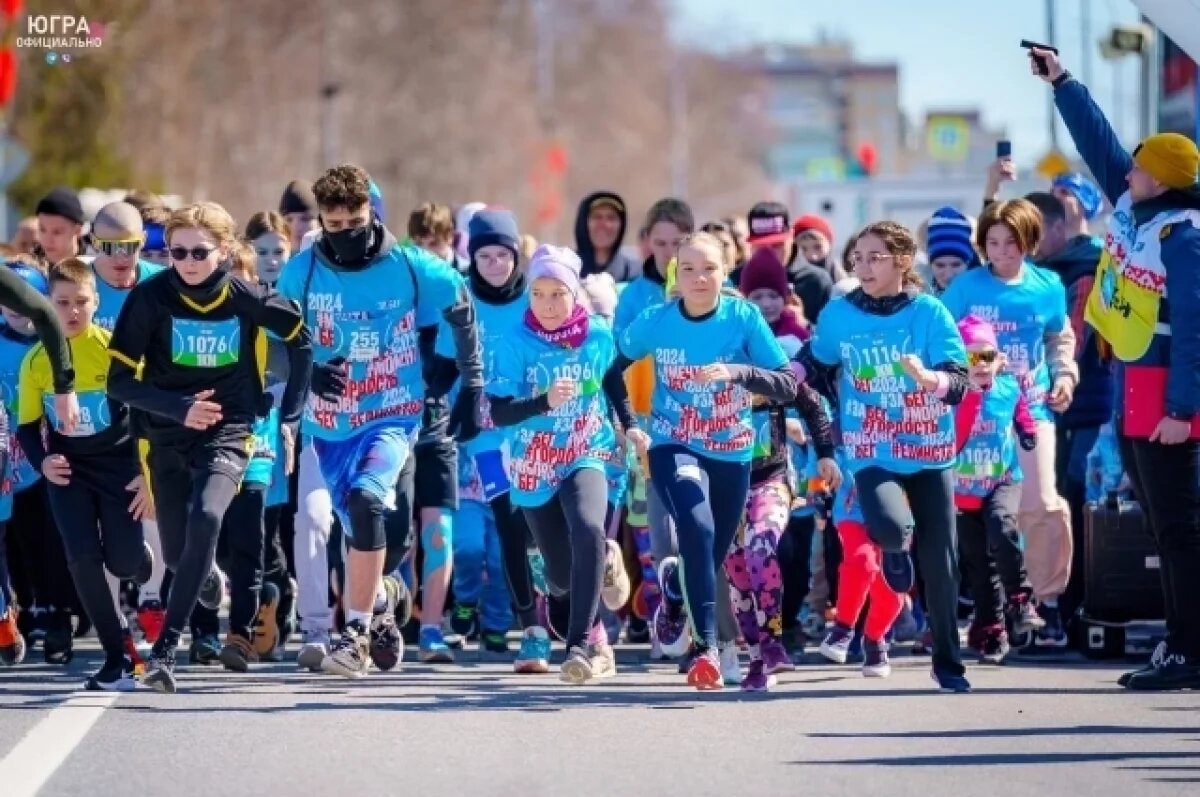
[1028, 441]
[464, 417]
[329, 379]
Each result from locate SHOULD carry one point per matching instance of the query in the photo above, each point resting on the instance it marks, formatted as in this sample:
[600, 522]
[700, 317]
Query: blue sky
[951, 53]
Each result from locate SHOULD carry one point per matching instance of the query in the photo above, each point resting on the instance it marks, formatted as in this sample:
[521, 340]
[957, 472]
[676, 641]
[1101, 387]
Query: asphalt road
[1031, 728]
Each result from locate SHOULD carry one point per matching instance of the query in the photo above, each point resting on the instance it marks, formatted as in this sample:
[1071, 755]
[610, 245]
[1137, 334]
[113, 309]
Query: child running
[992, 418]
[711, 352]
[753, 565]
[89, 472]
[895, 421]
[194, 332]
[551, 378]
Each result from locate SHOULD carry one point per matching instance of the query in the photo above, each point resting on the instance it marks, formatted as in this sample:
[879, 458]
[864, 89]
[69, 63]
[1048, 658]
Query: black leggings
[920, 505]
[990, 547]
[98, 533]
[513, 529]
[193, 484]
[569, 531]
[245, 535]
[795, 563]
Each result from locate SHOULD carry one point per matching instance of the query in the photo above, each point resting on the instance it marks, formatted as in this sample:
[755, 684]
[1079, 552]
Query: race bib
[94, 416]
[205, 344]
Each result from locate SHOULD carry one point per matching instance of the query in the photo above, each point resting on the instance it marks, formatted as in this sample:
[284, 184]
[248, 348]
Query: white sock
[1050, 603]
[380, 598]
[362, 617]
[152, 589]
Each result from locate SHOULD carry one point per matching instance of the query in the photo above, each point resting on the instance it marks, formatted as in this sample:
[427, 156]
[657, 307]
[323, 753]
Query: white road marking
[28, 765]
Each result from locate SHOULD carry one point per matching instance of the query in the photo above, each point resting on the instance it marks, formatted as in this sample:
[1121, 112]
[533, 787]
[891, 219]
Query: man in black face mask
[366, 297]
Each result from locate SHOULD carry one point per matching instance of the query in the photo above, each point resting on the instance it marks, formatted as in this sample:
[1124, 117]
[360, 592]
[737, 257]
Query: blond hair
[207, 216]
[714, 251]
[243, 262]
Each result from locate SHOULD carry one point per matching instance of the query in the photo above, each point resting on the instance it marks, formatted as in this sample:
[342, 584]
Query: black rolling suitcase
[1120, 575]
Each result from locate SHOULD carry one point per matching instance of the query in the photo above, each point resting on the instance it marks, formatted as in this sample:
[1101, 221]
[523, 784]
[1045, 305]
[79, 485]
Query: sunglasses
[198, 253]
[120, 247]
[986, 357]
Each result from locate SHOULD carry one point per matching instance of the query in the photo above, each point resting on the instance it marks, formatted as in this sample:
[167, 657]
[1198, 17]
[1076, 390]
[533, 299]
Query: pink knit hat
[976, 331]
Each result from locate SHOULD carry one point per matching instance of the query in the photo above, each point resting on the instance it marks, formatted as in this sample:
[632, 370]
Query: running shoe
[1052, 634]
[12, 644]
[238, 653]
[670, 618]
[604, 660]
[1023, 616]
[150, 618]
[387, 644]
[265, 634]
[58, 647]
[350, 654]
[949, 682]
[205, 649]
[494, 644]
[145, 570]
[875, 660]
[836, 645]
[534, 655]
[432, 648]
[115, 676]
[705, 672]
[775, 657]
[731, 666]
[212, 591]
[994, 647]
[577, 667]
[615, 589]
[32, 623]
[313, 651]
[757, 679]
[160, 671]
[464, 622]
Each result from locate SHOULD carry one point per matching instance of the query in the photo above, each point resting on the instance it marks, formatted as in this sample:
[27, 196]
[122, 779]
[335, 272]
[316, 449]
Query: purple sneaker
[836, 646]
[775, 658]
[756, 678]
[671, 629]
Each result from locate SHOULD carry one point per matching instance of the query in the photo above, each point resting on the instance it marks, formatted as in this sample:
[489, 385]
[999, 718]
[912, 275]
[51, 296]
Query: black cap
[298, 197]
[63, 202]
[768, 223]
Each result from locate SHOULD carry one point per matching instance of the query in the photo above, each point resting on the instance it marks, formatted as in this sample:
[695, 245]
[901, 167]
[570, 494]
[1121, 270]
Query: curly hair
[346, 186]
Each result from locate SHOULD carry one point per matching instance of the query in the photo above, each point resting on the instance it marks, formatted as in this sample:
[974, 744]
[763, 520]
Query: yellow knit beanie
[1170, 158]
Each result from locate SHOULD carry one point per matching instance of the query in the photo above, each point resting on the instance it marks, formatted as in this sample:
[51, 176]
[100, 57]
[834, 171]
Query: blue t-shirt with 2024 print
[1021, 312]
[989, 456]
[886, 419]
[110, 300]
[712, 419]
[547, 448]
[370, 317]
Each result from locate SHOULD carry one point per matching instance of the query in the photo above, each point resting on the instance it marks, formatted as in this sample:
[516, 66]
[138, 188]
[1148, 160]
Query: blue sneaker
[949, 682]
[836, 646]
[433, 648]
[534, 656]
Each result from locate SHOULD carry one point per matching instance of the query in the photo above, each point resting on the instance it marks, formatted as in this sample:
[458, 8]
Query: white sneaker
[603, 660]
[616, 588]
[731, 668]
[313, 651]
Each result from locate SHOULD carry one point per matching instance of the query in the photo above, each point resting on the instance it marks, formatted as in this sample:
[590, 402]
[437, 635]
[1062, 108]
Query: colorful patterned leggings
[755, 578]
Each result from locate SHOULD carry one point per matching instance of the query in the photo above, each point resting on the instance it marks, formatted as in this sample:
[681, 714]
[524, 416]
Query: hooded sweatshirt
[620, 266]
[1076, 267]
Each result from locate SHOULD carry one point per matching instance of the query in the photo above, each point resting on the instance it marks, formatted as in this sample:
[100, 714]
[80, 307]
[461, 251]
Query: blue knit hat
[1084, 190]
[950, 234]
[494, 226]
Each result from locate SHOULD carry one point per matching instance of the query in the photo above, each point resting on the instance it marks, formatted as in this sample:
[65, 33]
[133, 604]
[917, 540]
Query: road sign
[948, 138]
[1053, 164]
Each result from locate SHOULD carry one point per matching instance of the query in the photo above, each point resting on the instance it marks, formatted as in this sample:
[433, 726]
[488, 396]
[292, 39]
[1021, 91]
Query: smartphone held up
[1039, 60]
